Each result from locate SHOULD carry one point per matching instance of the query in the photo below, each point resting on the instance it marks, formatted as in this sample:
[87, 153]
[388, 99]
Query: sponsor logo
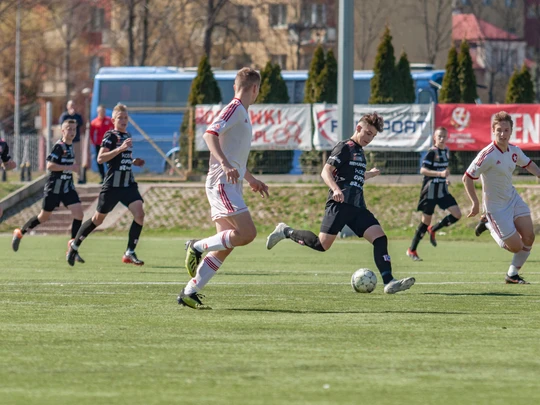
[461, 118]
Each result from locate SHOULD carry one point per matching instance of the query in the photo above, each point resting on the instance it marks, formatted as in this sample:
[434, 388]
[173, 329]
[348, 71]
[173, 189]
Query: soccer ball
[363, 281]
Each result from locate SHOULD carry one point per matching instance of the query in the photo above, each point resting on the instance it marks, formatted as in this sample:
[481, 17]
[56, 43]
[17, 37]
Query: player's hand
[338, 196]
[374, 172]
[128, 143]
[10, 165]
[231, 174]
[260, 187]
[74, 167]
[448, 182]
[475, 209]
[138, 162]
[445, 174]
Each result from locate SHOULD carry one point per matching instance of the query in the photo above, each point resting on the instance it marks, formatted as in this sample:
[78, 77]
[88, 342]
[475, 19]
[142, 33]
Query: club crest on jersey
[514, 157]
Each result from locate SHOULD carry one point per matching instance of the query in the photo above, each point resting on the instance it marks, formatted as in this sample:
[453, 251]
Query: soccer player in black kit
[5, 161]
[344, 173]
[434, 192]
[118, 186]
[59, 187]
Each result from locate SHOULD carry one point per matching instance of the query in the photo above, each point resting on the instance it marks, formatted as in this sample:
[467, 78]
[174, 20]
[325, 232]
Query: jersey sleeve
[481, 163]
[109, 141]
[5, 154]
[226, 119]
[428, 159]
[340, 155]
[522, 159]
[56, 154]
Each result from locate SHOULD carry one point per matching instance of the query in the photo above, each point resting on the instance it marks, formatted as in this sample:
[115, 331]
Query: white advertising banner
[407, 127]
[275, 126]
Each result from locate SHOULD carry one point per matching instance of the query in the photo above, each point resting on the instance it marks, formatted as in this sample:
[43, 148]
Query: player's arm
[327, 175]
[533, 169]
[106, 154]
[434, 173]
[214, 147]
[468, 182]
[256, 185]
[9, 165]
[55, 167]
[371, 173]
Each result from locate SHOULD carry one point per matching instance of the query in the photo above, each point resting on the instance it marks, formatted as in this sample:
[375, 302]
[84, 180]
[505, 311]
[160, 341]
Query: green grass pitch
[286, 327]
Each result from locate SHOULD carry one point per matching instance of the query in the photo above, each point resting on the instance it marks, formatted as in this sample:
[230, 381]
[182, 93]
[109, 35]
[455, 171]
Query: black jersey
[350, 167]
[60, 182]
[4, 151]
[119, 172]
[436, 159]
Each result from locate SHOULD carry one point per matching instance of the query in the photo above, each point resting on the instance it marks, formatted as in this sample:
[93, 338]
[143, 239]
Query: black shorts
[109, 198]
[337, 215]
[427, 206]
[51, 201]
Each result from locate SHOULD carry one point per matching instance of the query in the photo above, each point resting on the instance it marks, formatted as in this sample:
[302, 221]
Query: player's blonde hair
[118, 108]
[247, 77]
[502, 116]
[68, 122]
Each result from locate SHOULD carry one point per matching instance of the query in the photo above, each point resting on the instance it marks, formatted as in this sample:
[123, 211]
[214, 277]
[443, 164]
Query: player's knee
[139, 218]
[528, 239]
[457, 215]
[98, 220]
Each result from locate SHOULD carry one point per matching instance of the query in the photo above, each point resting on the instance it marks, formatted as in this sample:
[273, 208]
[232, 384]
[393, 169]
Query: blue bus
[157, 98]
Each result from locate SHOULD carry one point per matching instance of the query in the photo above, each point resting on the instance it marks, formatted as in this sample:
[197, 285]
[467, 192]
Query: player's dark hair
[502, 116]
[375, 120]
[247, 77]
[67, 122]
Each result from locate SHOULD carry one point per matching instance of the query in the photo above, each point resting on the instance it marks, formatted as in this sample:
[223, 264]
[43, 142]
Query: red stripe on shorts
[224, 199]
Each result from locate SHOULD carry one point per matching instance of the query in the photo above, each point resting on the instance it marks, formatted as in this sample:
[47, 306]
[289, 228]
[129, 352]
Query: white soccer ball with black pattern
[363, 281]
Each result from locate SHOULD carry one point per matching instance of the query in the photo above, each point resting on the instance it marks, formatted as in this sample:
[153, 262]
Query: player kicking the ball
[344, 173]
[118, 186]
[508, 217]
[229, 141]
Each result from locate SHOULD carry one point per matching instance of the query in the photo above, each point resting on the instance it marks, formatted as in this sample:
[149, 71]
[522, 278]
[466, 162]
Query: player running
[59, 187]
[434, 192]
[5, 161]
[229, 141]
[118, 186]
[344, 173]
[509, 218]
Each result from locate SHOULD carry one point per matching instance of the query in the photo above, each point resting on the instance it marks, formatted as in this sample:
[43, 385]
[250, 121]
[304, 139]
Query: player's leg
[448, 202]
[49, 204]
[335, 218]
[136, 208]
[376, 236]
[418, 235]
[525, 232]
[77, 215]
[190, 296]
[86, 229]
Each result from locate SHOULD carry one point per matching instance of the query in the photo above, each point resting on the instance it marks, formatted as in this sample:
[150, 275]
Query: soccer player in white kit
[229, 141]
[509, 218]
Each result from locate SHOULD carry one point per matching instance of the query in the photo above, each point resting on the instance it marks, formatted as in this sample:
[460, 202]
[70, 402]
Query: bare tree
[370, 16]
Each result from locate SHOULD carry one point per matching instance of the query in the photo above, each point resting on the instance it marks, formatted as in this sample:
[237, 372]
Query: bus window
[362, 90]
[298, 96]
[227, 89]
[174, 93]
[424, 96]
[130, 92]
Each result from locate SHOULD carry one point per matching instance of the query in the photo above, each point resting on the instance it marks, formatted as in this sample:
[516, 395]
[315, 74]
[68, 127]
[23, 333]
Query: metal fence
[29, 149]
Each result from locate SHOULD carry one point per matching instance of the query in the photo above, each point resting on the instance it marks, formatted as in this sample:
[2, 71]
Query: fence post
[190, 143]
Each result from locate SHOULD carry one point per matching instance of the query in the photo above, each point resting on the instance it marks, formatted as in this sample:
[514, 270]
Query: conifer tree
[383, 81]
[405, 92]
[520, 87]
[312, 89]
[328, 79]
[204, 90]
[467, 79]
[528, 94]
[451, 91]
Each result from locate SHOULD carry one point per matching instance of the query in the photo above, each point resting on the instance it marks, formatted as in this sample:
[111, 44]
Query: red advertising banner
[469, 125]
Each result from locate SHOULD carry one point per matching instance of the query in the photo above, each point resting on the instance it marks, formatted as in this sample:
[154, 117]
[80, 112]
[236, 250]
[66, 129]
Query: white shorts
[225, 200]
[501, 223]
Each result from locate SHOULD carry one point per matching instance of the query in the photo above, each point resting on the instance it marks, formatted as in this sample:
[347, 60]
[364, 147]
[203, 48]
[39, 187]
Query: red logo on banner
[460, 118]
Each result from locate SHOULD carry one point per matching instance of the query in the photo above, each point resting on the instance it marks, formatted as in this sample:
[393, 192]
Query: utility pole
[17, 117]
[345, 69]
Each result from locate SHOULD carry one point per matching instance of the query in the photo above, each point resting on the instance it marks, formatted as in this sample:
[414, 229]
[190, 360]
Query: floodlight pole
[345, 69]
[17, 95]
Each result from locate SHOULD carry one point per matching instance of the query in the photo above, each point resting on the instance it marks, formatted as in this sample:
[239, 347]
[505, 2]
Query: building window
[281, 60]
[97, 19]
[314, 14]
[278, 15]
[532, 11]
[510, 3]
[466, 2]
[244, 14]
[487, 2]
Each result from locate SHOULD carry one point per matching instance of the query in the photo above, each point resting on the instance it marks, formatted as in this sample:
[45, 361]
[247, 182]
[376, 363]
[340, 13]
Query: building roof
[471, 28]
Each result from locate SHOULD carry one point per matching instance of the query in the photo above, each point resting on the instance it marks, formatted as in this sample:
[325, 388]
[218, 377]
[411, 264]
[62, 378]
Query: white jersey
[233, 127]
[496, 167]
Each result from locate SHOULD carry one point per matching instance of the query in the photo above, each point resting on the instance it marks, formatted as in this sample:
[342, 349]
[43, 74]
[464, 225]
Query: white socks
[519, 260]
[206, 270]
[220, 241]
